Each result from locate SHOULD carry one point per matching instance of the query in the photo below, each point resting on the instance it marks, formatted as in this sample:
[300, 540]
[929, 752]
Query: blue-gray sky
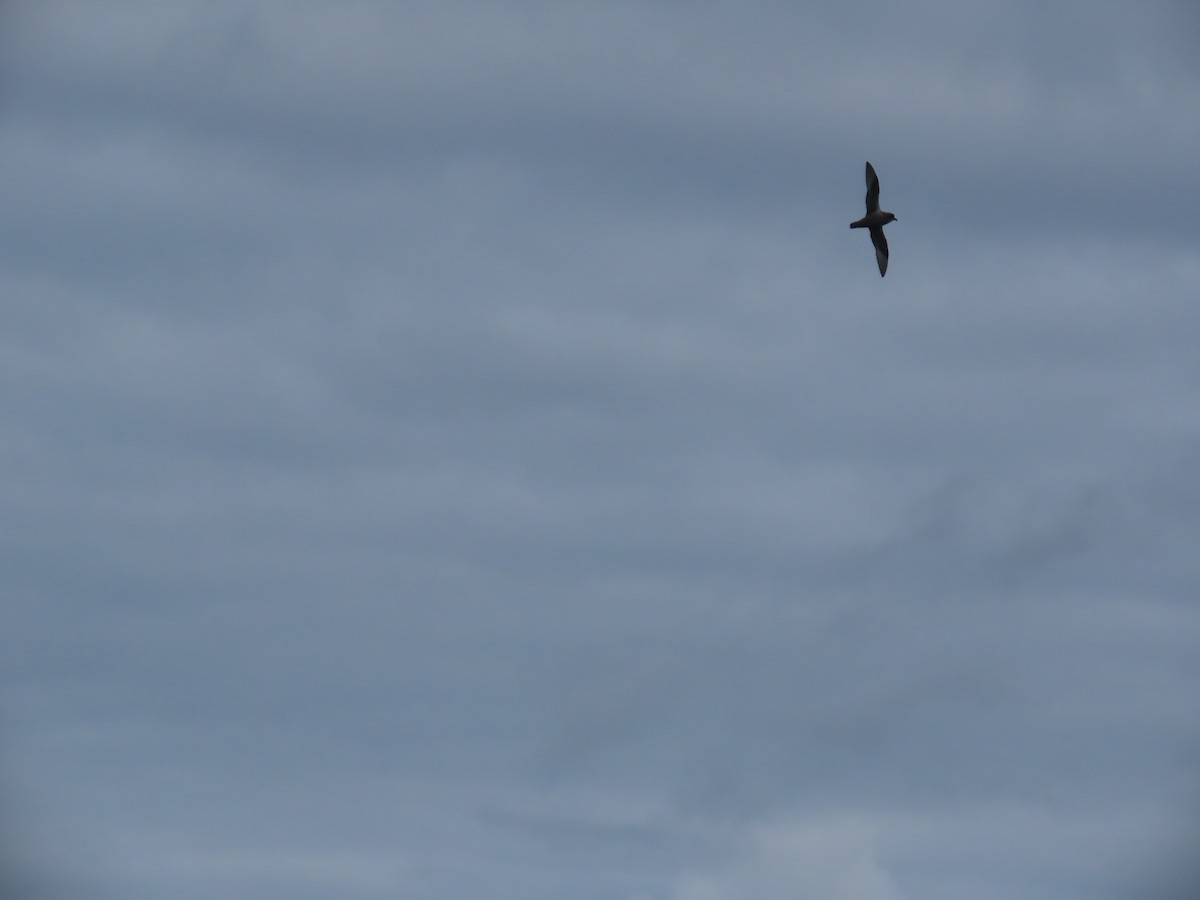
[458, 450]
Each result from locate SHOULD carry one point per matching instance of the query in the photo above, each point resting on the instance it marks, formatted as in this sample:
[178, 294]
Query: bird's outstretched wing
[881, 249]
[872, 192]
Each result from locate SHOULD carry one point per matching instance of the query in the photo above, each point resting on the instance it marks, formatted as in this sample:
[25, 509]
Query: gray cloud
[460, 449]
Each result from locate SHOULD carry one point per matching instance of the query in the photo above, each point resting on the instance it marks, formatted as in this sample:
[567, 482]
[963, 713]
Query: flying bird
[875, 219]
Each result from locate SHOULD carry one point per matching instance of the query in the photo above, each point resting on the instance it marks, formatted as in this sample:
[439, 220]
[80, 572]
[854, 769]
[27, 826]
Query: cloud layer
[459, 450]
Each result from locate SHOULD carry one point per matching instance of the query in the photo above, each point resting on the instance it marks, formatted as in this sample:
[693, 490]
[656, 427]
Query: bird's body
[875, 219]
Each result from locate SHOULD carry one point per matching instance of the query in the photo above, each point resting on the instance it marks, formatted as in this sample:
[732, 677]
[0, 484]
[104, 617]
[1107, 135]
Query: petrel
[875, 219]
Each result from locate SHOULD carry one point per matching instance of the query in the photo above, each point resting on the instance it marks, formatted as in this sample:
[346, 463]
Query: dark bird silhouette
[875, 219]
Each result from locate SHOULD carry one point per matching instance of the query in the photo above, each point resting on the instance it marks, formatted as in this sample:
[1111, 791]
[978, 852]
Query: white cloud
[831, 859]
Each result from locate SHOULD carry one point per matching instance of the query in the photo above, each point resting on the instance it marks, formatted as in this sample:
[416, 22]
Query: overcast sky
[458, 450]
